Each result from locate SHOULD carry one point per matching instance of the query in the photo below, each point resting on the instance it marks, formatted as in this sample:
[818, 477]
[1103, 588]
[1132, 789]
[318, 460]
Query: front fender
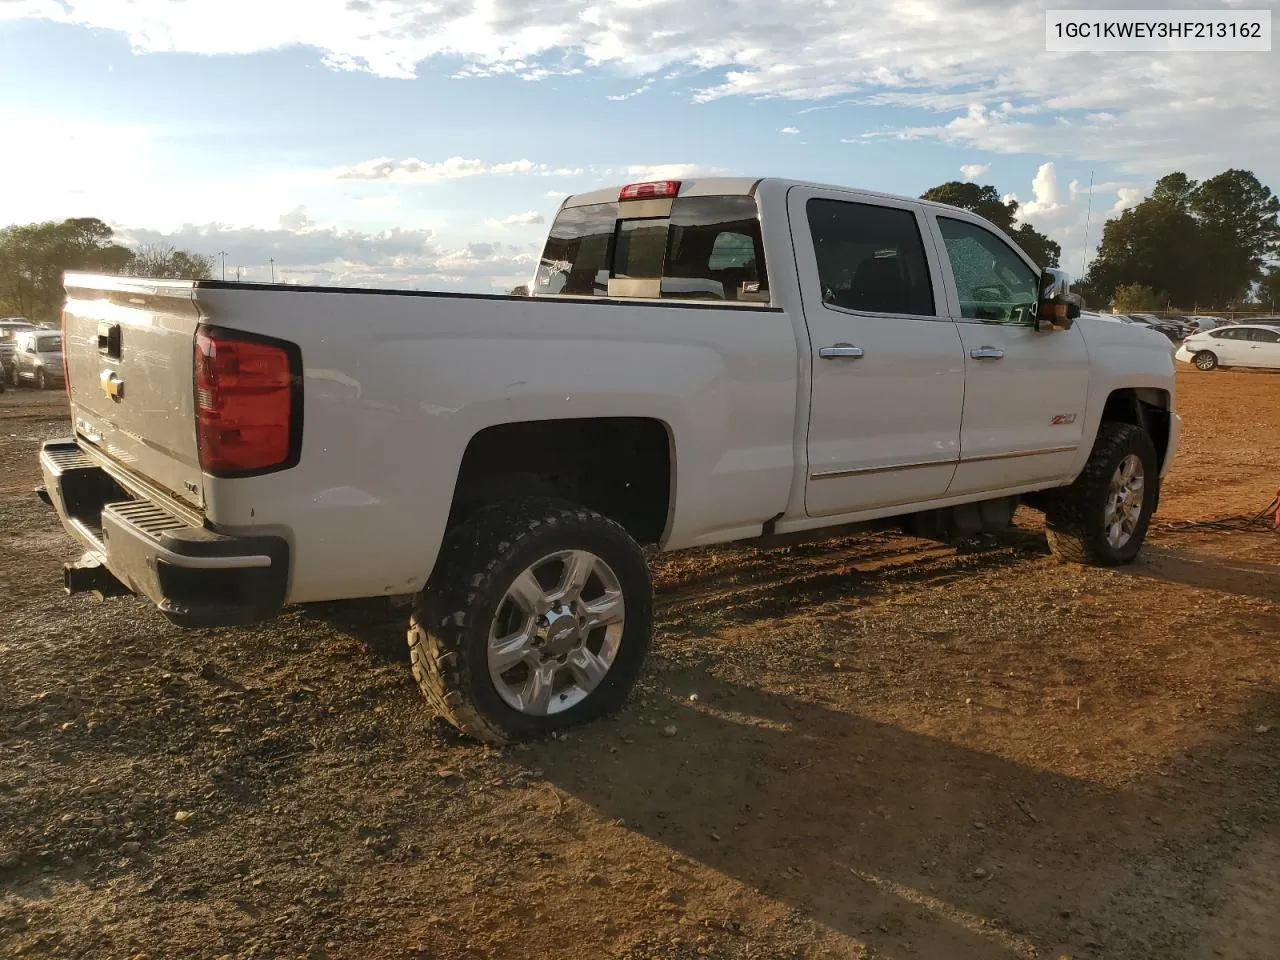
[1126, 359]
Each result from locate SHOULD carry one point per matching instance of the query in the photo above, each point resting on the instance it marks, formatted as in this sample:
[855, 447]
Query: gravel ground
[882, 748]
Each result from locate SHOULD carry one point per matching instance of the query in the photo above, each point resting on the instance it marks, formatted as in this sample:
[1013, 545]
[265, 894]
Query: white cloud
[404, 259]
[789, 130]
[669, 171]
[644, 87]
[1126, 198]
[529, 218]
[972, 171]
[557, 194]
[1045, 201]
[1076, 220]
[413, 170]
[296, 220]
[1146, 113]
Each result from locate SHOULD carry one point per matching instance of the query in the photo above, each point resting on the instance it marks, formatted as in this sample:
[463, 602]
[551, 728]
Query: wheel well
[618, 466]
[1143, 407]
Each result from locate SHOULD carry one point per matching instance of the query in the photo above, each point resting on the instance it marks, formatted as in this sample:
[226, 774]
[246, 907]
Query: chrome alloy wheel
[556, 633]
[1124, 501]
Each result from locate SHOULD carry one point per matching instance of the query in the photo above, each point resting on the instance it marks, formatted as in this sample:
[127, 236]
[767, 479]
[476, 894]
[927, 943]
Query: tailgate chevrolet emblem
[112, 385]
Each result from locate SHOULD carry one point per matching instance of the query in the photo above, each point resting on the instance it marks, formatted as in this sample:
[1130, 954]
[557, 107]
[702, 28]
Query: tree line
[1198, 245]
[34, 256]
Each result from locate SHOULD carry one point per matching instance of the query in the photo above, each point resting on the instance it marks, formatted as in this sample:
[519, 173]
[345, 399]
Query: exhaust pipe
[90, 575]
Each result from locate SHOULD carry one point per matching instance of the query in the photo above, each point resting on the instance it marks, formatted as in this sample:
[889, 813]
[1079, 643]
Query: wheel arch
[622, 467]
[1149, 408]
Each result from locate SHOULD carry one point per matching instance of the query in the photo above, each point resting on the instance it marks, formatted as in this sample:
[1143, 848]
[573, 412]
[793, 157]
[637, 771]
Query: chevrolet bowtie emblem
[112, 385]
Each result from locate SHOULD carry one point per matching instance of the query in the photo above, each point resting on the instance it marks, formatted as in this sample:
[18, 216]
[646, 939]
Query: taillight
[650, 190]
[248, 403]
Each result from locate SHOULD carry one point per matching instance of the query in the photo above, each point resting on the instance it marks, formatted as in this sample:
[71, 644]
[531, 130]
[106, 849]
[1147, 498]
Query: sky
[426, 144]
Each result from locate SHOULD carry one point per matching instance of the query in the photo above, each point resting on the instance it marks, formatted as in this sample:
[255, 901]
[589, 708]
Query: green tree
[1239, 231]
[1204, 243]
[983, 200]
[520, 291]
[1156, 245]
[166, 263]
[1269, 289]
[1137, 298]
[1175, 189]
[33, 258]
[976, 198]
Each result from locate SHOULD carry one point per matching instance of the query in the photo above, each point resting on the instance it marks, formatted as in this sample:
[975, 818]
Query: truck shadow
[752, 585]
[917, 845]
[375, 623]
[1207, 571]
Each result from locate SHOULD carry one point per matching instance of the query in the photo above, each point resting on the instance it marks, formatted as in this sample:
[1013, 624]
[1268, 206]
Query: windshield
[49, 344]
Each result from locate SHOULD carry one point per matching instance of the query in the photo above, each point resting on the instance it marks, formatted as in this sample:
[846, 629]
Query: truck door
[1025, 389]
[887, 366]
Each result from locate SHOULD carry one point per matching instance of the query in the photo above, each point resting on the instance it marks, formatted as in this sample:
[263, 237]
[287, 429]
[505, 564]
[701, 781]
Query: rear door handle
[840, 350]
[986, 353]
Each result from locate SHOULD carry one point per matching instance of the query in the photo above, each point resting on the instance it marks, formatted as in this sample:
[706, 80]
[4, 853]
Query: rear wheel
[537, 617]
[1205, 360]
[1102, 518]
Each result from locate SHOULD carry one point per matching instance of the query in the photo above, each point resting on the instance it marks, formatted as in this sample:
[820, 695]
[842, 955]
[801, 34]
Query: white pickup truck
[698, 362]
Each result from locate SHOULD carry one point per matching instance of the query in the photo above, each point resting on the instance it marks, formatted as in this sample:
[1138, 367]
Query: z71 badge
[1062, 419]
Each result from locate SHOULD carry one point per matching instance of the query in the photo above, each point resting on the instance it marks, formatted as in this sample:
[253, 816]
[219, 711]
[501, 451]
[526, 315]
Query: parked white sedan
[1240, 345]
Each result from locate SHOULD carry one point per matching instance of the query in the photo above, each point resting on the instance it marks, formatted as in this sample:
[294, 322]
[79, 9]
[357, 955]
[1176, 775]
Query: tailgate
[129, 347]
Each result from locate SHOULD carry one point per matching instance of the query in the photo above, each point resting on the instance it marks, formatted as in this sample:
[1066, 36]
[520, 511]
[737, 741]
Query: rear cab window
[688, 248]
[870, 258]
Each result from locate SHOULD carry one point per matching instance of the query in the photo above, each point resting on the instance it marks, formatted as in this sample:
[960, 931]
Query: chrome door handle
[840, 350]
[986, 353]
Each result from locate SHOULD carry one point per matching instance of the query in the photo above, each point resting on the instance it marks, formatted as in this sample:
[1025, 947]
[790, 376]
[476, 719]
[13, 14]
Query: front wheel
[538, 617]
[1102, 518]
[42, 383]
[1205, 360]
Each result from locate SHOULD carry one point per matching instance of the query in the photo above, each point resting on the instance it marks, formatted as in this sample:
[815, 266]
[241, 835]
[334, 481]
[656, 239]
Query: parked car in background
[38, 359]
[1166, 328]
[1237, 345]
[1201, 324]
[10, 327]
[1170, 328]
[1265, 321]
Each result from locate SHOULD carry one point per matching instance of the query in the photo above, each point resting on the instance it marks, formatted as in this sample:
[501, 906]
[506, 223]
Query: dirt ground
[883, 748]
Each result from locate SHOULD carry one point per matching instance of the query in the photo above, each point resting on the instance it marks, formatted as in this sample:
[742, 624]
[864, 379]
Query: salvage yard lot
[882, 747]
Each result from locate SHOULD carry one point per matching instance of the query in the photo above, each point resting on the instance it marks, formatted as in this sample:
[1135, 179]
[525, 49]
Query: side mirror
[1058, 309]
[1053, 283]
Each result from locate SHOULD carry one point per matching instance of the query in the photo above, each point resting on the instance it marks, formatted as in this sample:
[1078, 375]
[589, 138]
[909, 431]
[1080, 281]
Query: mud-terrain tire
[1093, 521]
[471, 588]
